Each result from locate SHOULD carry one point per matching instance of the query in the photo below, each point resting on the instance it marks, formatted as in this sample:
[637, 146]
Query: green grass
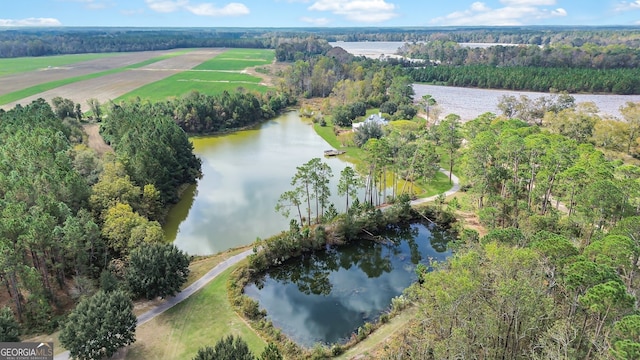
[238, 59]
[221, 73]
[200, 320]
[356, 156]
[25, 64]
[205, 82]
[21, 94]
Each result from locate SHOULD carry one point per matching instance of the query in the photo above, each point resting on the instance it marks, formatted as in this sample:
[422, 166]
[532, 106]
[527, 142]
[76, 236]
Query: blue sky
[332, 13]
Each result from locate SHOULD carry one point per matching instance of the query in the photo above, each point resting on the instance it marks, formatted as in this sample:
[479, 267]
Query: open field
[39, 72]
[114, 85]
[238, 59]
[225, 72]
[24, 64]
[200, 320]
[206, 82]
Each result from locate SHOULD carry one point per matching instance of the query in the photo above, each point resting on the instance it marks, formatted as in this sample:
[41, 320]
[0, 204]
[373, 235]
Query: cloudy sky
[300, 13]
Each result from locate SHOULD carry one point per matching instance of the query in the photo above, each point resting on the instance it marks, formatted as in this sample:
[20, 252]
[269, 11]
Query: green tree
[99, 326]
[349, 184]
[9, 327]
[96, 110]
[229, 348]
[124, 229]
[289, 199]
[631, 114]
[450, 138]
[271, 352]
[427, 102]
[157, 270]
[605, 302]
[625, 338]
[342, 116]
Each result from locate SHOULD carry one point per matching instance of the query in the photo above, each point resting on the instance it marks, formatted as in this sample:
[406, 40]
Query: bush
[389, 107]
[9, 328]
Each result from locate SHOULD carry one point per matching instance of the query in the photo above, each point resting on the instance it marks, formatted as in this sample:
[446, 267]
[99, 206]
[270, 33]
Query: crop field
[238, 59]
[211, 77]
[42, 75]
[25, 64]
[115, 81]
[150, 75]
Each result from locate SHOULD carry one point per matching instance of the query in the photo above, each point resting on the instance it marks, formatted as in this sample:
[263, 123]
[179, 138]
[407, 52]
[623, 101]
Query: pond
[323, 297]
[244, 174]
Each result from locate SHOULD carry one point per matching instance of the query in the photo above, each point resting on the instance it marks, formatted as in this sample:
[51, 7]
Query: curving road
[218, 269]
[188, 291]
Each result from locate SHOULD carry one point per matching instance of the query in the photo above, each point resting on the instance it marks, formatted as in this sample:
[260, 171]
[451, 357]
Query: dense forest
[71, 218]
[616, 81]
[56, 41]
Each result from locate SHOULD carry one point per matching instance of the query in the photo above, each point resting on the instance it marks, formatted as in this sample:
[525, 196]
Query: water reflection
[244, 173]
[325, 296]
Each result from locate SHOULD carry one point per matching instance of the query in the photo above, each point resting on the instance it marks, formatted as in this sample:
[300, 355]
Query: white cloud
[202, 9]
[207, 9]
[30, 22]
[93, 4]
[166, 6]
[315, 21]
[528, 2]
[132, 12]
[515, 12]
[627, 5]
[357, 10]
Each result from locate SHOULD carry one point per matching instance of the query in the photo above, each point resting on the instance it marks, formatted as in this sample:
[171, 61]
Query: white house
[374, 118]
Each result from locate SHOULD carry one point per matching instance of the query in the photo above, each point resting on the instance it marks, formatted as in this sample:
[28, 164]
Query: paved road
[218, 269]
[454, 189]
[188, 291]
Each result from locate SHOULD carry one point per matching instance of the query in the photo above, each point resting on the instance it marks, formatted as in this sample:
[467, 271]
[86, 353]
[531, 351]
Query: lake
[468, 103]
[244, 174]
[323, 297]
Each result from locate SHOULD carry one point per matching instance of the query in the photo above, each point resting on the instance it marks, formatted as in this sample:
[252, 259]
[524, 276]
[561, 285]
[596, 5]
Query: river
[244, 174]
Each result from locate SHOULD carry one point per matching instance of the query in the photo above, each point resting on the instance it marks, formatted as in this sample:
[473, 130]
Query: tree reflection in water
[310, 272]
[326, 295]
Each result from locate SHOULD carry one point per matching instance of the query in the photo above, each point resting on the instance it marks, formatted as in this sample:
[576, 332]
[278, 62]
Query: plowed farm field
[110, 86]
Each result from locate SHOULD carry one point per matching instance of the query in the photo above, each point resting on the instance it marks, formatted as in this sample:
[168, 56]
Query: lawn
[355, 155]
[17, 95]
[25, 64]
[238, 59]
[200, 320]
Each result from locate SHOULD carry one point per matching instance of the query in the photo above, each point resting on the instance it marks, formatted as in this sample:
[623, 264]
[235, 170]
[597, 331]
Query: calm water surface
[468, 103]
[325, 296]
[244, 174]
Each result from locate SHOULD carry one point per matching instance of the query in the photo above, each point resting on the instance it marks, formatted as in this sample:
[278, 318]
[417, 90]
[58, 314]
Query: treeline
[197, 113]
[616, 81]
[300, 49]
[585, 56]
[30, 42]
[44, 42]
